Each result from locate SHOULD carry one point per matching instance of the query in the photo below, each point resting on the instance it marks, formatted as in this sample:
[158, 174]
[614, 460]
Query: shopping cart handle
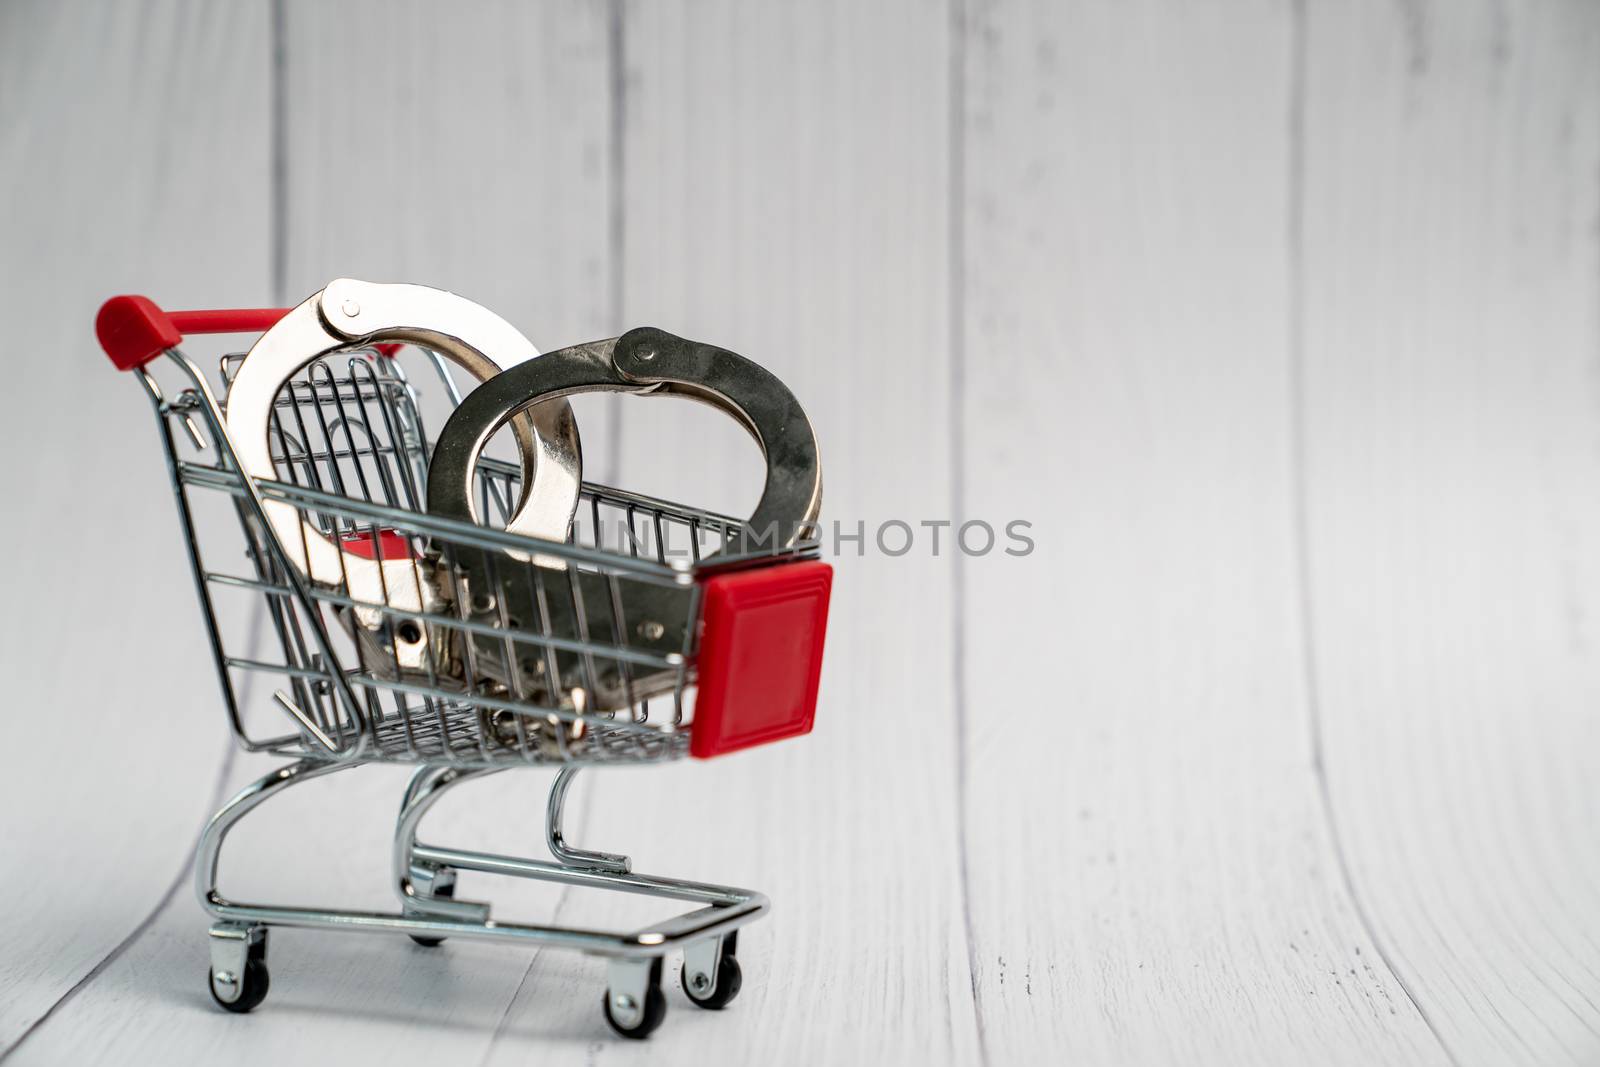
[133, 330]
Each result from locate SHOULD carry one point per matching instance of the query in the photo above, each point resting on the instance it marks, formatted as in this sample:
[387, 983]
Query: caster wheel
[255, 982]
[655, 1009]
[446, 892]
[729, 979]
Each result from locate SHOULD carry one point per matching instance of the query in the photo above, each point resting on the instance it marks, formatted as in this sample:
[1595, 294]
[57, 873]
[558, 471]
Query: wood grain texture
[874, 944]
[334, 998]
[786, 198]
[469, 150]
[1151, 876]
[1278, 323]
[1451, 327]
[469, 153]
[133, 157]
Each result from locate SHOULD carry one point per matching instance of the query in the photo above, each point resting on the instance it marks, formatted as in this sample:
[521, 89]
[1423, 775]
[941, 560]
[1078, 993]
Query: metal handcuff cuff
[351, 313]
[646, 617]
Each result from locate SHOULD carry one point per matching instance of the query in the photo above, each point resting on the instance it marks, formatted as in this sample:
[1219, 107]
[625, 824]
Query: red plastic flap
[133, 331]
[760, 656]
[394, 545]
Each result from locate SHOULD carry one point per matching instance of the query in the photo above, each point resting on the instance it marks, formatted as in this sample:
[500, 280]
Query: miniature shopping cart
[576, 682]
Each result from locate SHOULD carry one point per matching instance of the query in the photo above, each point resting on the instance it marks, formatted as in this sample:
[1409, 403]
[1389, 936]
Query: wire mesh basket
[653, 631]
[350, 450]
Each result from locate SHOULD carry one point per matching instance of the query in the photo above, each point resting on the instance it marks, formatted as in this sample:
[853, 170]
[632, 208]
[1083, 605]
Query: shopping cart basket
[350, 454]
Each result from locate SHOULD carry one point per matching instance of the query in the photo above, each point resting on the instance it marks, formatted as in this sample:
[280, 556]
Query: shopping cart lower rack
[585, 680]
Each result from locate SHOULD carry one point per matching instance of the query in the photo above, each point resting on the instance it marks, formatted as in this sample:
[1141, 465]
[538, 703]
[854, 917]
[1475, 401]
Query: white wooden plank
[133, 159]
[786, 198]
[1151, 877]
[481, 162]
[348, 999]
[1451, 323]
[465, 148]
[1150, 873]
[470, 152]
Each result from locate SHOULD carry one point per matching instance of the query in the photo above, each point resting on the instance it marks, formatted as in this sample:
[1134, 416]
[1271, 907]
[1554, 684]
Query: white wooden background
[1279, 319]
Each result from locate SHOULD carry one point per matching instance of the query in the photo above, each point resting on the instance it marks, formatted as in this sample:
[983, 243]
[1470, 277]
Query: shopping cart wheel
[696, 977]
[634, 1004]
[255, 984]
[238, 977]
[444, 891]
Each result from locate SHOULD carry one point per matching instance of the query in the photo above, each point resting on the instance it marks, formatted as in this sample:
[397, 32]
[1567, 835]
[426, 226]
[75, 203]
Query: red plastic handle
[133, 330]
[230, 320]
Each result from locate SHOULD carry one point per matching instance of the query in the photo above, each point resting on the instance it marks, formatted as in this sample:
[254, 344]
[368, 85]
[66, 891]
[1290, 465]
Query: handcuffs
[525, 391]
[349, 313]
[653, 617]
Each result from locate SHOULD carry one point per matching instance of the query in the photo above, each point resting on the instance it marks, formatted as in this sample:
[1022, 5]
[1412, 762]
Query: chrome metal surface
[647, 360]
[628, 983]
[644, 361]
[556, 842]
[231, 943]
[349, 455]
[350, 312]
[417, 884]
[348, 459]
[702, 960]
[726, 908]
[349, 444]
[453, 327]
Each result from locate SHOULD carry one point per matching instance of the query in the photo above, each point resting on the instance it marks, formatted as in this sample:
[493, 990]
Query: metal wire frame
[351, 454]
[574, 685]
